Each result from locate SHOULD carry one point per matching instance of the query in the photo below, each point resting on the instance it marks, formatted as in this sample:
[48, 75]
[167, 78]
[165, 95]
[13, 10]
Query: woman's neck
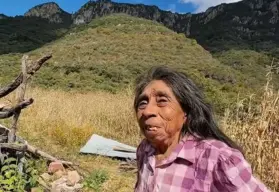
[164, 150]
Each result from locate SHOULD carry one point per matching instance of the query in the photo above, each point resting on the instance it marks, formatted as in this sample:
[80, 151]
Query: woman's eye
[142, 104]
[162, 101]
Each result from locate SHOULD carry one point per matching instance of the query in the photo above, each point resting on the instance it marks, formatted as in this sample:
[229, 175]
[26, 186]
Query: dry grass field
[61, 122]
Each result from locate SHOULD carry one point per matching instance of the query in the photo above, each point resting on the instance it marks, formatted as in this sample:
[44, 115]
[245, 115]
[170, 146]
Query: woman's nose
[150, 110]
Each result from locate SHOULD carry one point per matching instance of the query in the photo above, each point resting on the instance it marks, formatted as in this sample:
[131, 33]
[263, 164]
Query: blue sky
[19, 7]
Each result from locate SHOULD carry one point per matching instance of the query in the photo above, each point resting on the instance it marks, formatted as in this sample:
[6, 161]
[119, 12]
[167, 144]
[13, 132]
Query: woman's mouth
[151, 128]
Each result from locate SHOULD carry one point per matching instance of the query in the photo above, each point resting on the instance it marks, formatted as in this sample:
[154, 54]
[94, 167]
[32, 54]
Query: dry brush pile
[18, 169]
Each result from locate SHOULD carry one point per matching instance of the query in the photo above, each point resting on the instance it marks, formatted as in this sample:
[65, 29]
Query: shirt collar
[186, 149]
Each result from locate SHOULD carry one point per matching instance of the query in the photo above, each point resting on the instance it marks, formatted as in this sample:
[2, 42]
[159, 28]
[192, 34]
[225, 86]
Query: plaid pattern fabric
[197, 166]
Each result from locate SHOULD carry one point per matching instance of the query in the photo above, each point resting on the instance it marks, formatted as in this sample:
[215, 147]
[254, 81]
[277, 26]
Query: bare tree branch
[37, 65]
[30, 70]
[11, 87]
[8, 112]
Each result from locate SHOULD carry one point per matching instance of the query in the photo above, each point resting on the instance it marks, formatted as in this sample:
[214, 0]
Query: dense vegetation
[21, 34]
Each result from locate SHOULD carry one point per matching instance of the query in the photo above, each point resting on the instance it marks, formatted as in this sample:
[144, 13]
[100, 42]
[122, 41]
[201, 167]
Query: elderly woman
[183, 149]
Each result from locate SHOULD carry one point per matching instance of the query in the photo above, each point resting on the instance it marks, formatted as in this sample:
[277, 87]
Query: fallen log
[14, 146]
[31, 149]
[47, 156]
[28, 148]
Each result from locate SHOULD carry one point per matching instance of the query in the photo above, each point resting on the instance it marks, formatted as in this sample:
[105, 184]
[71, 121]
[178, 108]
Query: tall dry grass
[255, 126]
[69, 119]
[61, 122]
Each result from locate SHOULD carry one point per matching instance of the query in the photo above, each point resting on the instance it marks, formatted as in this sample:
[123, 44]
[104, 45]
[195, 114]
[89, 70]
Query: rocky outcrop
[50, 11]
[245, 22]
[100, 8]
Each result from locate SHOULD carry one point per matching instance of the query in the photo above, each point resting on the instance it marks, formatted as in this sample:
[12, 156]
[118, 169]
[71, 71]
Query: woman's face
[159, 114]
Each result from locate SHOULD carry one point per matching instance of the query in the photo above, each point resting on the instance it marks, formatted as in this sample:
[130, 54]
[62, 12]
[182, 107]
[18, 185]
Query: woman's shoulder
[215, 154]
[208, 151]
[219, 151]
[231, 171]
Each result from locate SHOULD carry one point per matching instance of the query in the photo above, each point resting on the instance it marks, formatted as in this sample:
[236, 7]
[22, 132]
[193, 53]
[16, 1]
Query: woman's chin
[151, 133]
[154, 137]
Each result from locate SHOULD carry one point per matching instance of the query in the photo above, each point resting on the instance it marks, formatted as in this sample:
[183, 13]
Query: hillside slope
[111, 51]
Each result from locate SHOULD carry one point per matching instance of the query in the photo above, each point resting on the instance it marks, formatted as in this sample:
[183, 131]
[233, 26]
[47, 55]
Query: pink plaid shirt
[197, 166]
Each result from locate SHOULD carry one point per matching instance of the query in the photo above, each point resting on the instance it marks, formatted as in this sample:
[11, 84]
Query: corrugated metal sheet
[99, 145]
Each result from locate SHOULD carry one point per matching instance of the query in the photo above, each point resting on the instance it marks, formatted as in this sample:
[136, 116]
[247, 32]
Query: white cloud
[172, 7]
[202, 5]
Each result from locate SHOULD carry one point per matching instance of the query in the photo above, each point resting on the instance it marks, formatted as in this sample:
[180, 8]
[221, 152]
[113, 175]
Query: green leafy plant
[12, 179]
[95, 179]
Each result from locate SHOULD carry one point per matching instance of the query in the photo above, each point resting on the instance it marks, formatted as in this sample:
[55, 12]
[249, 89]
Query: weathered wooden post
[20, 98]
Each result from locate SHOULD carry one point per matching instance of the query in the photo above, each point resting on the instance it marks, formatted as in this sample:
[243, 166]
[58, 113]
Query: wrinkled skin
[160, 117]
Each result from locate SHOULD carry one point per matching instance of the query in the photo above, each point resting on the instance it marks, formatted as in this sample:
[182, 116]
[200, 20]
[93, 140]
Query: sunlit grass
[61, 122]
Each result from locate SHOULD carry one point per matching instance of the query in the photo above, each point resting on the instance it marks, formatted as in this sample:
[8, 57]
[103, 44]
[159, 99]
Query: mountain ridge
[50, 11]
[248, 24]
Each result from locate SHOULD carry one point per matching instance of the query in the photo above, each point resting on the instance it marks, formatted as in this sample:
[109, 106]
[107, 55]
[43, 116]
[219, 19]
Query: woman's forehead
[156, 87]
